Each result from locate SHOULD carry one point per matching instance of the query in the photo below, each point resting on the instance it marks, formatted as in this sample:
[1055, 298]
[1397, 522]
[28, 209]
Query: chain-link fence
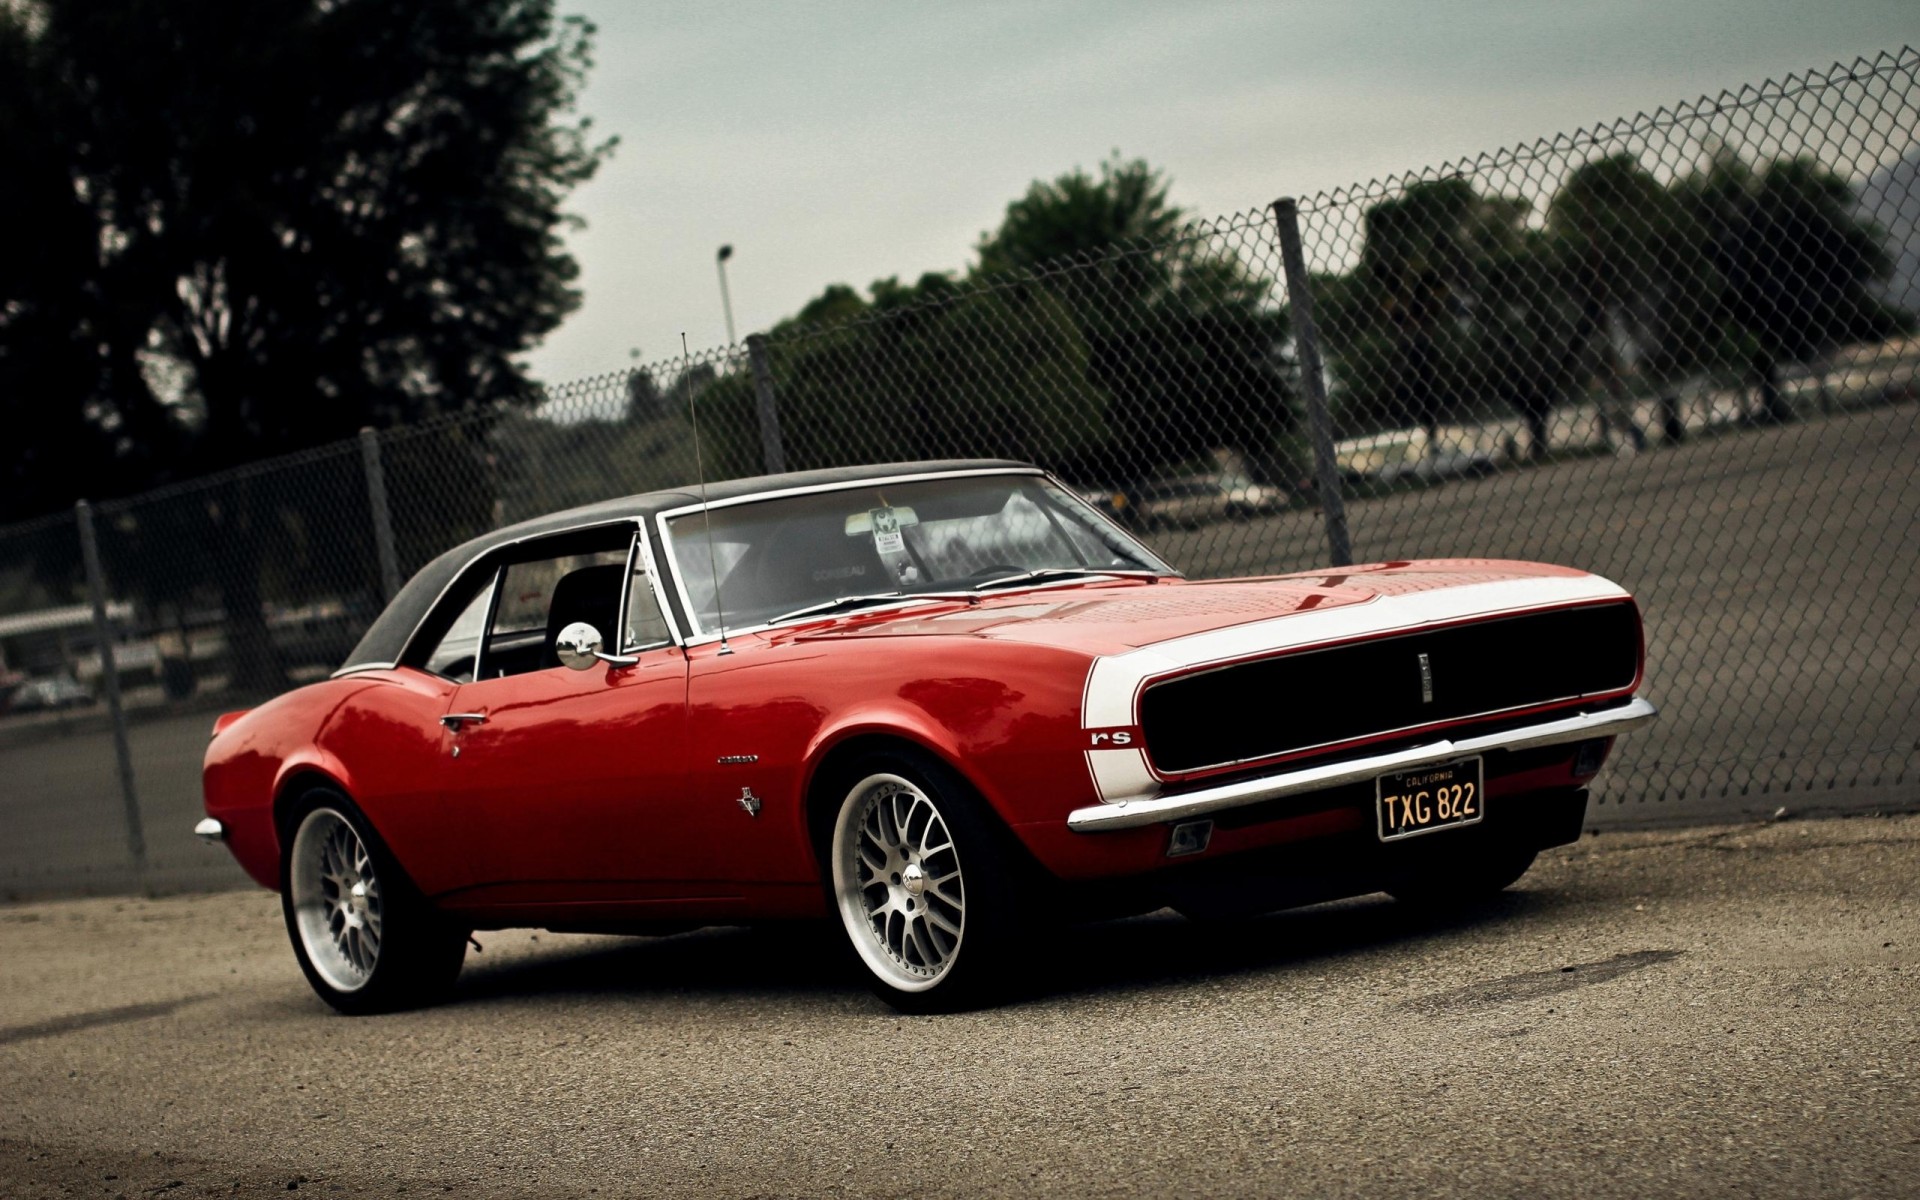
[1677, 350]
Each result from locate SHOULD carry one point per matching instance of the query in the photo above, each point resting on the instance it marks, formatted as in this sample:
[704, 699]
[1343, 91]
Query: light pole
[726, 304]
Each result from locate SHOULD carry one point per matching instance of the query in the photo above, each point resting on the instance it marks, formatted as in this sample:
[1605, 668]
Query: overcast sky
[844, 142]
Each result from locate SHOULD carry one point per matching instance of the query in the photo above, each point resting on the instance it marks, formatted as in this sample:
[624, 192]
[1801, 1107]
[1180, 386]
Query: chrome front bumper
[1155, 809]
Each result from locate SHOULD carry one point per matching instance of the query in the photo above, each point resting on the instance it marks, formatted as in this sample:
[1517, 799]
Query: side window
[541, 596]
[646, 627]
[504, 615]
[453, 656]
[530, 588]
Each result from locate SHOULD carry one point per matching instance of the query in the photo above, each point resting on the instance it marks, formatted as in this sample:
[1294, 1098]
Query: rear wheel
[923, 885]
[365, 938]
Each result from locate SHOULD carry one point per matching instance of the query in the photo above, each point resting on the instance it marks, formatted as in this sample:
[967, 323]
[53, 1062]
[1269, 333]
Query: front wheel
[922, 882]
[365, 938]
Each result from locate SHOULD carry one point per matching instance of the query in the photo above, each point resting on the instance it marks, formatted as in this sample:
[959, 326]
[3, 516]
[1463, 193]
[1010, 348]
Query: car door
[574, 781]
[394, 748]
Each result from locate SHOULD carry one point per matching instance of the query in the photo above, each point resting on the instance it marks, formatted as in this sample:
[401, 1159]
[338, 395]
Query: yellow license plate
[1431, 798]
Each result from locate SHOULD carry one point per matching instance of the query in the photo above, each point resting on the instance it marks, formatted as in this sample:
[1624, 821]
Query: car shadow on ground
[1078, 962]
[1166, 950]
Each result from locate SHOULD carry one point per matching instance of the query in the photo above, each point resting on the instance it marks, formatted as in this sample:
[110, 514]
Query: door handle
[455, 721]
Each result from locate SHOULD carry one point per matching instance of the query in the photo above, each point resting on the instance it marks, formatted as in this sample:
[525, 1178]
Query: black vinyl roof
[387, 636]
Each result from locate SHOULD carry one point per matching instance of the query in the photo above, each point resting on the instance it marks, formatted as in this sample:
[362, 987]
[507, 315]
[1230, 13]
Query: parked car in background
[49, 693]
[1405, 455]
[1110, 502]
[945, 706]
[1192, 500]
[1438, 465]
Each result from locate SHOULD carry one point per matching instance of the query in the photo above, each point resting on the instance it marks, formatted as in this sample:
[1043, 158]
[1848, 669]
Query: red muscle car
[929, 701]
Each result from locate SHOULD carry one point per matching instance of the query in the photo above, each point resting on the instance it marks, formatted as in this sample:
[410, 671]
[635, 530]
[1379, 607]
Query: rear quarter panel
[246, 761]
[374, 736]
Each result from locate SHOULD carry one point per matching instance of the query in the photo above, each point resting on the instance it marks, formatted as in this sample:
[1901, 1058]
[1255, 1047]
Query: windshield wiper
[1044, 574]
[839, 604]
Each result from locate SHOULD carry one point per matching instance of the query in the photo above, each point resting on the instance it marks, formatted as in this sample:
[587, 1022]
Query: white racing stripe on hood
[1115, 679]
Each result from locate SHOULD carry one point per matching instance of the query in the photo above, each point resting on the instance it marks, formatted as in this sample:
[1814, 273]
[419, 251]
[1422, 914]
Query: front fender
[897, 721]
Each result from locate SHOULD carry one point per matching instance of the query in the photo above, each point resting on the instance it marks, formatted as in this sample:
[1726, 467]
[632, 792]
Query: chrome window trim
[486, 623]
[845, 485]
[699, 637]
[643, 545]
[1117, 527]
[620, 610]
[357, 668]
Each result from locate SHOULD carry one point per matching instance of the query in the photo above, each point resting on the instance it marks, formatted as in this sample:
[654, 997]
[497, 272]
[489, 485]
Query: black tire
[989, 879]
[418, 951]
[1486, 871]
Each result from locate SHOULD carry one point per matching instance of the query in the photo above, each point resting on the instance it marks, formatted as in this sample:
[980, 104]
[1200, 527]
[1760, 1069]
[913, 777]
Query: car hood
[1111, 618]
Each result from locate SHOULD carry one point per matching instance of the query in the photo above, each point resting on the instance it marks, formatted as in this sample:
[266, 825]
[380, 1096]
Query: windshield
[775, 557]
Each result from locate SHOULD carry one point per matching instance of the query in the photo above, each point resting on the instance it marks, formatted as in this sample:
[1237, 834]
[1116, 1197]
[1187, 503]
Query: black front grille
[1313, 698]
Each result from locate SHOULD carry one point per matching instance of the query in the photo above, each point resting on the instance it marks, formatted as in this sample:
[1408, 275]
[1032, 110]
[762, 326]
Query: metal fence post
[110, 675]
[382, 518]
[1286, 216]
[772, 451]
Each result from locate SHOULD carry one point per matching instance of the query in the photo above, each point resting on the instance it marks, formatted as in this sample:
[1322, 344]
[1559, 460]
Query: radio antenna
[706, 514]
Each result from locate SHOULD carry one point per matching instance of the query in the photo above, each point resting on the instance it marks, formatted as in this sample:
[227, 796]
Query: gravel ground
[1711, 1011]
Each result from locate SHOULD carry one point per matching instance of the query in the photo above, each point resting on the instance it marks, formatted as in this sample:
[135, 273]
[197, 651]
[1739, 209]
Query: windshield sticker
[887, 539]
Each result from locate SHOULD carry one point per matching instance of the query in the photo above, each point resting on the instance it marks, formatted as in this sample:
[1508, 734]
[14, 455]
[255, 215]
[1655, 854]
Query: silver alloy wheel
[896, 877]
[336, 899]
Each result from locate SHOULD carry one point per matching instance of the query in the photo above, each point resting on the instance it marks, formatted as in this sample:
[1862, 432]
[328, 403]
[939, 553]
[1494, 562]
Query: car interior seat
[590, 594]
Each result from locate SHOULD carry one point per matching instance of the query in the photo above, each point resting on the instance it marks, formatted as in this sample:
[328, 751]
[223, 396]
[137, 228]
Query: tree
[1793, 263]
[1183, 337]
[1634, 264]
[933, 369]
[1078, 216]
[272, 222]
[46, 363]
[1531, 339]
[1631, 284]
[1098, 334]
[1415, 332]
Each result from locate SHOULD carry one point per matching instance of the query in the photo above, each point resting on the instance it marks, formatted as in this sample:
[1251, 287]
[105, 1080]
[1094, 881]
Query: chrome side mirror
[579, 647]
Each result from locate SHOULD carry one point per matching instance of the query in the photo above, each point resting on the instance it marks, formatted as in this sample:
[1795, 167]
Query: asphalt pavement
[1724, 1011]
